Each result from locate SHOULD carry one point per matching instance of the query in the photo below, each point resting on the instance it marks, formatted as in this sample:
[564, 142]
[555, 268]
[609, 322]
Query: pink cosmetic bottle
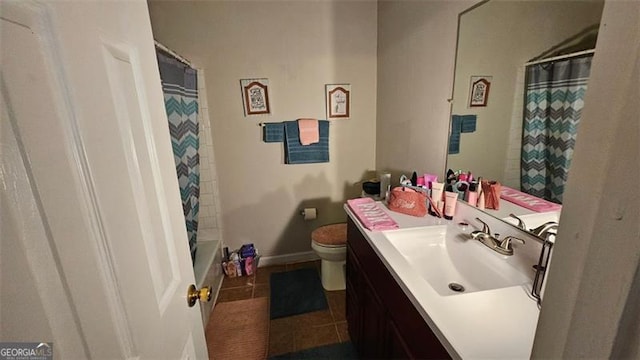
[472, 194]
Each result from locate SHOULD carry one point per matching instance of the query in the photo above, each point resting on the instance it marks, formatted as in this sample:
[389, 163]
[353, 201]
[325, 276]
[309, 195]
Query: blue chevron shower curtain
[180, 87]
[554, 101]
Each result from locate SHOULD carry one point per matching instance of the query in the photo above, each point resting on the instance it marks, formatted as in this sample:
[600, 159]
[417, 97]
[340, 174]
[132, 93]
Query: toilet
[330, 243]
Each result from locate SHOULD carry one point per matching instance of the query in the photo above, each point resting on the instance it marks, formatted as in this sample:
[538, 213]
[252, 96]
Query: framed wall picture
[255, 96]
[338, 101]
[479, 91]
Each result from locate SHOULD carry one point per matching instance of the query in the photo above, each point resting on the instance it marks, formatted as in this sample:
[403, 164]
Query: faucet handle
[485, 227]
[542, 229]
[505, 244]
[521, 223]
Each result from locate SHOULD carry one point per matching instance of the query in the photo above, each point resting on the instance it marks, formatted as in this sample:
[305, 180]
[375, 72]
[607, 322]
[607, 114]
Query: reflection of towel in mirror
[528, 201]
[309, 132]
[460, 124]
[454, 136]
[296, 153]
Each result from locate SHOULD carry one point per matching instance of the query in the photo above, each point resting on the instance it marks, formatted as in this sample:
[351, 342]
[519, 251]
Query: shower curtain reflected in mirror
[554, 101]
[180, 88]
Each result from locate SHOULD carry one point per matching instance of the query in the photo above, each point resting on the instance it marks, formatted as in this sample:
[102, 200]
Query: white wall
[300, 47]
[496, 39]
[590, 308]
[416, 52]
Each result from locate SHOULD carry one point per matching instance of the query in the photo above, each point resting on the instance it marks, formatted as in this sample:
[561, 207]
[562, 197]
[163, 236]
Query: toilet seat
[334, 235]
[327, 246]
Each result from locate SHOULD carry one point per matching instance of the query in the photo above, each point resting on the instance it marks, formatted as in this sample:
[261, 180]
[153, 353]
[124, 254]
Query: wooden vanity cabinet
[382, 321]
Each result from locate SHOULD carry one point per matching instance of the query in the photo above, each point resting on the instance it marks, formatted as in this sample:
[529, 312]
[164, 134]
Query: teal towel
[454, 137]
[273, 132]
[296, 153]
[468, 124]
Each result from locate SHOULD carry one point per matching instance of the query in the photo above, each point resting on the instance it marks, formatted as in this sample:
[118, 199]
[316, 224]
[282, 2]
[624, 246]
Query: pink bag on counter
[408, 201]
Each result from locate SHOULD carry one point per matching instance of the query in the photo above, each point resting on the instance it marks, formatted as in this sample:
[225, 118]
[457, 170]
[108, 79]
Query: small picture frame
[479, 90]
[338, 101]
[255, 96]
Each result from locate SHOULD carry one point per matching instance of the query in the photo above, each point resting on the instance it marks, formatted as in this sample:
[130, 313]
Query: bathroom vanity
[382, 320]
[398, 302]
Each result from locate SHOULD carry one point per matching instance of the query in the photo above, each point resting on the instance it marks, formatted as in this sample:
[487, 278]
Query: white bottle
[481, 200]
[385, 183]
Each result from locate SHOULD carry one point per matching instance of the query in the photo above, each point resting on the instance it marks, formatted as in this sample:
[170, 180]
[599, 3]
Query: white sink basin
[443, 256]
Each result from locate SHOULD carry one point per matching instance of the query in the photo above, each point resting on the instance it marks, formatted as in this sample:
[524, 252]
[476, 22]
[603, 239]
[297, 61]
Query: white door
[94, 252]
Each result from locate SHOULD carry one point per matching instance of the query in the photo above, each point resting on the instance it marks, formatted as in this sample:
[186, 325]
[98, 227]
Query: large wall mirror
[493, 88]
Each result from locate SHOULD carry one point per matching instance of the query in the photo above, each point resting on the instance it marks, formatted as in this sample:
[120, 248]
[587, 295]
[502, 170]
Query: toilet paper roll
[309, 213]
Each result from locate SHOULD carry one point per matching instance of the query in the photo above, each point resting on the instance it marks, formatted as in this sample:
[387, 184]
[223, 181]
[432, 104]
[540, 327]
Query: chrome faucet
[542, 231]
[520, 224]
[485, 227]
[505, 245]
[545, 229]
[500, 246]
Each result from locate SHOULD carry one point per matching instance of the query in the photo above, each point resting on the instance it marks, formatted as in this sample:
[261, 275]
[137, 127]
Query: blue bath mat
[334, 352]
[296, 292]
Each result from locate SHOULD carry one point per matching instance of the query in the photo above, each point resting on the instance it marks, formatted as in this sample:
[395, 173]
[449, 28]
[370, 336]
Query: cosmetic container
[436, 192]
[429, 179]
[472, 194]
[481, 201]
[451, 199]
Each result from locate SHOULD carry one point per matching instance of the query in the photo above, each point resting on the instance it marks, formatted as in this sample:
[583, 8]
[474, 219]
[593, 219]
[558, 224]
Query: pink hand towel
[309, 133]
[371, 216]
[528, 201]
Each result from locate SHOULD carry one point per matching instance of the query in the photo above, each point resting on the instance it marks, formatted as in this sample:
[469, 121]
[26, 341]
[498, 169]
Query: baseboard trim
[288, 258]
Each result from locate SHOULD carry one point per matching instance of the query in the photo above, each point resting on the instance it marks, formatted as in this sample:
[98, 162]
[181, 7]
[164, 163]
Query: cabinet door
[353, 296]
[371, 309]
[374, 326]
[397, 348]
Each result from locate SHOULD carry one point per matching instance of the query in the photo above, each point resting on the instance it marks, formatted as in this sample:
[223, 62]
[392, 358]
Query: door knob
[193, 294]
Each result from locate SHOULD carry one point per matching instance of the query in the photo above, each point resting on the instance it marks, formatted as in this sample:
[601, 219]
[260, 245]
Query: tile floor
[298, 332]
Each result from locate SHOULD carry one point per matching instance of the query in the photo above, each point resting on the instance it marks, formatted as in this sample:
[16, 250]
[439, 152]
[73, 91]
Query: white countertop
[498, 323]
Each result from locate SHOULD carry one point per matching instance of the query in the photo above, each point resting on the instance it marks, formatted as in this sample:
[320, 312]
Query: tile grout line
[335, 326]
[253, 286]
[330, 309]
[295, 345]
[235, 287]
